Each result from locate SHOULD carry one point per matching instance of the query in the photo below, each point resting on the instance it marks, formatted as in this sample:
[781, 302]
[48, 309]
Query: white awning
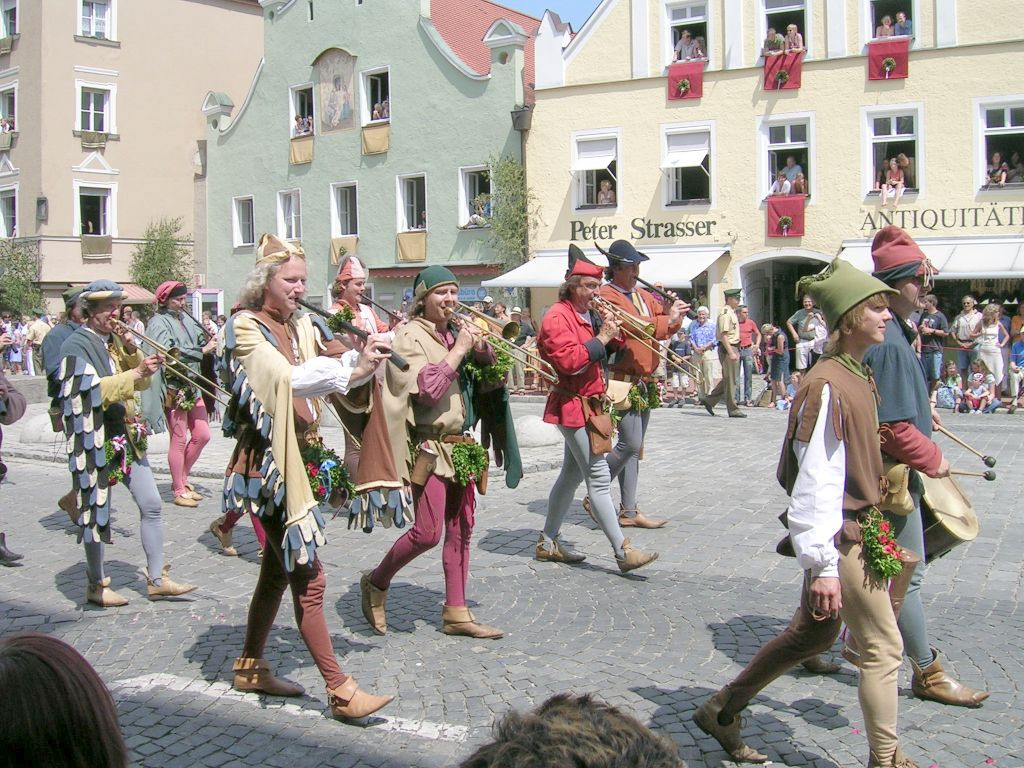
[673, 267]
[686, 150]
[594, 154]
[957, 258]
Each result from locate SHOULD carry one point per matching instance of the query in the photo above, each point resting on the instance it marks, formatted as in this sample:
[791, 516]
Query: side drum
[948, 515]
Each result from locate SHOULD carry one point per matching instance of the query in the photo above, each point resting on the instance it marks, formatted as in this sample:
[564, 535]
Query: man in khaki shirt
[35, 335]
[729, 355]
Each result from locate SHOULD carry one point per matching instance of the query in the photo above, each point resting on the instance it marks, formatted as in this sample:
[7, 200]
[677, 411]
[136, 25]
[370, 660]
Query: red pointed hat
[896, 255]
[579, 264]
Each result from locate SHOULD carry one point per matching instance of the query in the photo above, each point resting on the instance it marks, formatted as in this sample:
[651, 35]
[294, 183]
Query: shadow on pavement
[762, 731]
[125, 578]
[407, 603]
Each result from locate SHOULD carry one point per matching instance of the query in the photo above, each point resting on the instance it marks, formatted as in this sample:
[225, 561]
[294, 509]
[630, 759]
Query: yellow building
[689, 176]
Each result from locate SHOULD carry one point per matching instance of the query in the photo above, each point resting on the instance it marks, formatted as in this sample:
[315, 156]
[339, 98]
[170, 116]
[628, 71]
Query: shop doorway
[769, 286]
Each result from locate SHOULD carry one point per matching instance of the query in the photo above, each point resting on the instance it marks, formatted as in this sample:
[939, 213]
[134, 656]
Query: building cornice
[445, 50]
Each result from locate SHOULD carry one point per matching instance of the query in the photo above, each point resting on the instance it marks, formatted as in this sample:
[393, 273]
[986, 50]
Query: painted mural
[334, 70]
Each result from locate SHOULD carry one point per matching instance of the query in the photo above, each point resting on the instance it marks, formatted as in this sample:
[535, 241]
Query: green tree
[163, 255]
[20, 268]
[514, 210]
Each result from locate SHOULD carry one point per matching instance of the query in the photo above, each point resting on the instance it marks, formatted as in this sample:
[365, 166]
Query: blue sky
[574, 11]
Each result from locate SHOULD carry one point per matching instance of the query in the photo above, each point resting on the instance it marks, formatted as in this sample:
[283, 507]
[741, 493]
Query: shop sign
[641, 229]
[945, 218]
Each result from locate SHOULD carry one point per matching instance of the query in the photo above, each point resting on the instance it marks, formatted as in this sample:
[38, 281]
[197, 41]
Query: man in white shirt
[686, 48]
[781, 185]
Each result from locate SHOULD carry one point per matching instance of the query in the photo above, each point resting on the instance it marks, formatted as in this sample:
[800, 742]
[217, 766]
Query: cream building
[105, 100]
[690, 176]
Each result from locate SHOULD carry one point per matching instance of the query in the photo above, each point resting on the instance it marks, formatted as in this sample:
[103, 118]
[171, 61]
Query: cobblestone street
[655, 643]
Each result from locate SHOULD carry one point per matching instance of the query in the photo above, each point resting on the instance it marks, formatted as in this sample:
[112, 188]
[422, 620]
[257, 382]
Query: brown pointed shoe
[634, 518]
[588, 507]
[224, 537]
[185, 501]
[459, 620]
[818, 665]
[899, 760]
[728, 736]
[933, 682]
[102, 595]
[634, 558]
[255, 675]
[374, 602]
[167, 588]
[348, 701]
[69, 503]
[557, 553]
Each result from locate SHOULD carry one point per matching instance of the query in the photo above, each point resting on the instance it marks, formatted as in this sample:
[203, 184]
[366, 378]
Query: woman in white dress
[991, 342]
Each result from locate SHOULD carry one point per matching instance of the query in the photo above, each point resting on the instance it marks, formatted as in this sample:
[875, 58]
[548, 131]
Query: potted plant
[785, 222]
[683, 86]
[888, 65]
[781, 78]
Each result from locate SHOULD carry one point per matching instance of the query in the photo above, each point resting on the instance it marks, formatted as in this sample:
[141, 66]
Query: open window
[475, 196]
[376, 86]
[302, 110]
[9, 108]
[890, 18]
[8, 18]
[781, 15]
[289, 214]
[687, 28]
[344, 210]
[594, 169]
[96, 19]
[687, 165]
[894, 137]
[1003, 130]
[412, 203]
[9, 211]
[94, 209]
[789, 152]
[243, 222]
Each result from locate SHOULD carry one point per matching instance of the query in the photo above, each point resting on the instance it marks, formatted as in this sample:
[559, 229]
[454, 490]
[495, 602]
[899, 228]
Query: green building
[368, 127]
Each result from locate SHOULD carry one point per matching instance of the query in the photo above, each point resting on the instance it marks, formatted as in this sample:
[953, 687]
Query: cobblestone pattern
[656, 642]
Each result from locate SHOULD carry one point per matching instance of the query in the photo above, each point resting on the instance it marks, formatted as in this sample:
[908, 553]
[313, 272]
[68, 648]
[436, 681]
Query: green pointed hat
[840, 287]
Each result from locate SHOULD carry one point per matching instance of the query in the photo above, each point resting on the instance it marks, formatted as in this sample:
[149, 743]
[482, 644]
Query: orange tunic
[636, 358]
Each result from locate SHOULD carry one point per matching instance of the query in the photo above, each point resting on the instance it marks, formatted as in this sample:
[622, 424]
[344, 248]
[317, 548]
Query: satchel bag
[895, 484]
[599, 430]
[618, 394]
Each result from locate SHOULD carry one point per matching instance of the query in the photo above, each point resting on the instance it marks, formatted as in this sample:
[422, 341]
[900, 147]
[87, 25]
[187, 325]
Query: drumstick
[990, 461]
[988, 474]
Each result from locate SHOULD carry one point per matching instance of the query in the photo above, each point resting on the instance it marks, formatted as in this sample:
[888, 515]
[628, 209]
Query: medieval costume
[99, 379]
[12, 408]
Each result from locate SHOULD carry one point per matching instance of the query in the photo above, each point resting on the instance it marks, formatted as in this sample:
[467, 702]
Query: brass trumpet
[508, 331]
[176, 366]
[643, 332]
[528, 359]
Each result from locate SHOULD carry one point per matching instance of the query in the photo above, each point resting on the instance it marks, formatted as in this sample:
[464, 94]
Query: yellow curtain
[346, 242]
[301, 150]
[412, 246]
[376, 138]
[97, 245]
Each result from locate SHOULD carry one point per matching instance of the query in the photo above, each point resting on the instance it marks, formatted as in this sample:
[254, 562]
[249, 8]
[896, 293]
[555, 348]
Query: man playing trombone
[173, 403]
[633, 365]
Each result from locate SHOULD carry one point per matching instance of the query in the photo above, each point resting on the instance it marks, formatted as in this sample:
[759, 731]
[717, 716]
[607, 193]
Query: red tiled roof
[463, 24]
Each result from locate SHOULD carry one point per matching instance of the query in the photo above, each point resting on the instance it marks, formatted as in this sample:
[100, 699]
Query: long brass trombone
[642, 332]
[528, 359]
[176, 366]
[508, 331]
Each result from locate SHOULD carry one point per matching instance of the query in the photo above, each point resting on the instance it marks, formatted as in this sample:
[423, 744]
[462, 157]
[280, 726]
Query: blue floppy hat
[98, 290]
[622, 252]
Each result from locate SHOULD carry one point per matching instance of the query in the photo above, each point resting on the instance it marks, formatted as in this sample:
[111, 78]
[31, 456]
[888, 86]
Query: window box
[376, 138]
[412, 246]
[782, 72]
[889, 59]
[97, 246]
[94, 139]
[300, 150]
[7, 140]
[784, 215]
[685, 80]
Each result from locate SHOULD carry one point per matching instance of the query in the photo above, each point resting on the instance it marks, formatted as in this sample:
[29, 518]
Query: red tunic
[637, 359]
[563, 334]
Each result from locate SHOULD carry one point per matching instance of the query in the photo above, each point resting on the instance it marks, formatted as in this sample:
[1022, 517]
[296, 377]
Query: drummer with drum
[906, 418]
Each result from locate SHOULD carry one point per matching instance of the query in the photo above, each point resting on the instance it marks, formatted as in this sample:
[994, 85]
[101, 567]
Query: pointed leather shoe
[819, 666]
[899, 760]
[934, 683]
[728, 736]
[374, 602]
[225, 538]
[557, 552]
[255, 675]
[634, 518]
[167, 588]
[102, 595]
[348, 701]
[185, 501]
[7, 557]
[69, 503]
[459, 620]
[634, 558]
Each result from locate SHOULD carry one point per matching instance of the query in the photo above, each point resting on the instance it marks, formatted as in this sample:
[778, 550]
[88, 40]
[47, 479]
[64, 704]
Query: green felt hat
[730, 292]
[429, 278]
[839, 288]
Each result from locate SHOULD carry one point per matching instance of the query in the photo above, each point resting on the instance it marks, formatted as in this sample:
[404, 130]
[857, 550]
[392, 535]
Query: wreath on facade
[785, 222]
[781, 78]
[888, 65]
[683, 87]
